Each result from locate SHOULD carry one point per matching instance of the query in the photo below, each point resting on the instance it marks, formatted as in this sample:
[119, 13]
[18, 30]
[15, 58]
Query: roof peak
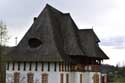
[48, 5]
[51, 8]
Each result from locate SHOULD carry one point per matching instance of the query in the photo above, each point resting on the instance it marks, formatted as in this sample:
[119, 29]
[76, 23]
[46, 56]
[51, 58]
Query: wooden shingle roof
[53, 37]
[89, 42]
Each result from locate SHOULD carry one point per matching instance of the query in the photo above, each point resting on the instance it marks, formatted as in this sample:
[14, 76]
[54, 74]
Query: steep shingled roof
[89, 42]
[52, 37]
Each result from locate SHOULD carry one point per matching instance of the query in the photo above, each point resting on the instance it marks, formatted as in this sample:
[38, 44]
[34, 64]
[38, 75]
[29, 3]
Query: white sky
[106, 16]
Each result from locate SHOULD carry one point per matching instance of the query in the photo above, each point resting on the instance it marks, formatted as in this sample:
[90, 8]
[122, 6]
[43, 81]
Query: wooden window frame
[30, 78]
[44, 78]
[16, 77]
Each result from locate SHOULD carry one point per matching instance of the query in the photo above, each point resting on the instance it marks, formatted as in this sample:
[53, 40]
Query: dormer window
[34, 42]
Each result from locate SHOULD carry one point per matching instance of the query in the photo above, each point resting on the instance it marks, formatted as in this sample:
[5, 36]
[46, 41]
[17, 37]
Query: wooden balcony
[84, 68]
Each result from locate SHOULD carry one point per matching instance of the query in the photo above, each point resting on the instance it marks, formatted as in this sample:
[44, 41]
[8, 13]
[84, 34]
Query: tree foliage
[3, 34]
[115, 73]
[3, 40]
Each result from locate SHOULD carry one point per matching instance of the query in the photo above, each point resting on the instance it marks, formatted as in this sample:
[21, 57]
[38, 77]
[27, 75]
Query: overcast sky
[106, 16]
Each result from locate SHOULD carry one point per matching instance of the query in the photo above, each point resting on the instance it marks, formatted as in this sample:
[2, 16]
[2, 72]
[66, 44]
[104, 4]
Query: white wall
[53, 77]
[88, 77]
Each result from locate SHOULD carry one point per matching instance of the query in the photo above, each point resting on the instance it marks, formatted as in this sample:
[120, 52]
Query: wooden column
[96, 78]
[81, 78]
[61, 78]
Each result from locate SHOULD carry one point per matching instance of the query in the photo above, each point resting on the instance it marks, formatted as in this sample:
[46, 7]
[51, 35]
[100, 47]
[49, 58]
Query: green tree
[3, 40]
[3, 34]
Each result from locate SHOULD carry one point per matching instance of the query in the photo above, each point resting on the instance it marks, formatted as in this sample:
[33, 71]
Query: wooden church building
[54, 50]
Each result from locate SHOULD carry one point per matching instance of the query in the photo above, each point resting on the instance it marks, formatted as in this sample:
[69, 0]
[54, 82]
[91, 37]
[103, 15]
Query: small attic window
[34, 42]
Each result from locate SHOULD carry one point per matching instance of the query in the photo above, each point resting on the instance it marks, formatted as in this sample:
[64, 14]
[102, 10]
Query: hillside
[115, 73]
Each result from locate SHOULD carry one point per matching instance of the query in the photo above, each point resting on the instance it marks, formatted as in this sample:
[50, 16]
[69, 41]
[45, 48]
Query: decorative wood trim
[13, 66]
[36, 65]
[24, 66]
[62, 67]
[59, 66]
[55, 66]
[18, 66]
[65, 67]
[48, 66]
[69, 67]
[42, 66]
[30, 66]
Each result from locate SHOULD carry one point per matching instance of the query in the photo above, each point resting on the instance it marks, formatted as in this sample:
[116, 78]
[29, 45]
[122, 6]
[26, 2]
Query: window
[30, 78]
[61, 78]
[16, 77]
[34, 42]
[44, 78]
[67, 78]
